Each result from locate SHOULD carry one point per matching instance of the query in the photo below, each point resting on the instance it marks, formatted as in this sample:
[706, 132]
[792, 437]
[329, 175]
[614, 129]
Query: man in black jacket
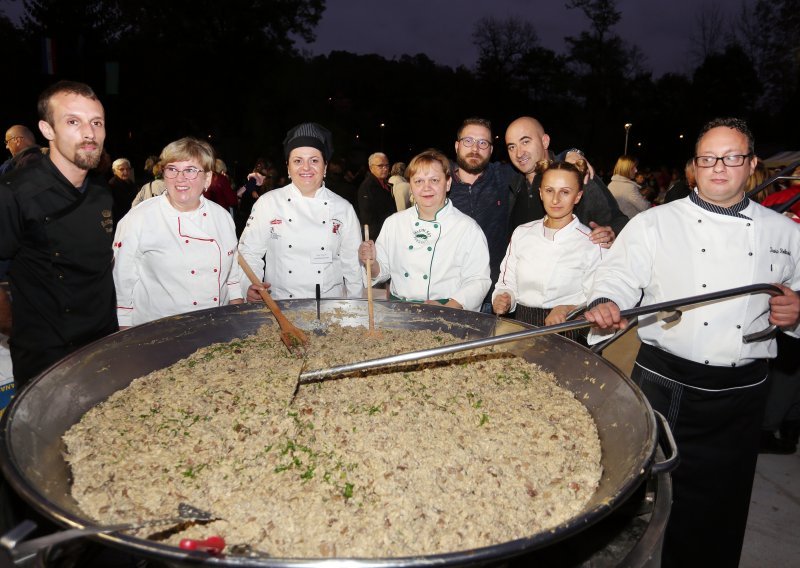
[375, 201]
[527, 144]
[56, 226]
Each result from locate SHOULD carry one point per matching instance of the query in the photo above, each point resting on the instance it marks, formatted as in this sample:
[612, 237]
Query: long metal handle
[319, 374]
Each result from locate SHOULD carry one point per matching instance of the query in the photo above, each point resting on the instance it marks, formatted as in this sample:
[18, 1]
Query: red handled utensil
[211, 545]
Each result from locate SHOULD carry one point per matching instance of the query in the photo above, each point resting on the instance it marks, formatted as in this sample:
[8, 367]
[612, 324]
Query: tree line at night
[233, 74]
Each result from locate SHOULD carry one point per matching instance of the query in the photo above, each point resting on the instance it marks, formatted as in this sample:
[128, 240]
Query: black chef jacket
[59, 238]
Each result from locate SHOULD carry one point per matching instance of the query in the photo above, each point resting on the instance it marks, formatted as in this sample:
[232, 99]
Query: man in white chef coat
[710, 385]
[308, 234]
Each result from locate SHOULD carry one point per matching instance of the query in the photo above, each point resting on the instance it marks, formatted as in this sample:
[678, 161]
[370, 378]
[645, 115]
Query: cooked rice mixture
[458, 453]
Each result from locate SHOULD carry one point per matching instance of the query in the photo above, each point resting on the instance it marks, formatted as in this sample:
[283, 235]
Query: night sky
[443, 30]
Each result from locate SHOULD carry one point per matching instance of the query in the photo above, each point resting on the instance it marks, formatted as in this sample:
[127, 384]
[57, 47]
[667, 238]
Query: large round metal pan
[32, 427]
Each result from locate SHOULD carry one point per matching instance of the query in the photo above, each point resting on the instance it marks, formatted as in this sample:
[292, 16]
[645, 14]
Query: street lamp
[627, 129]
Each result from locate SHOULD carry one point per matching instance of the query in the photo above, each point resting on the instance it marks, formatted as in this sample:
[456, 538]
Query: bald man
[527, 144]
[21, 143]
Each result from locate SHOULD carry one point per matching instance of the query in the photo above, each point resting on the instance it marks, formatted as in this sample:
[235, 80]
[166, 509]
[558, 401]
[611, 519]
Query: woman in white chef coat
[432, 252]
[176, 252]
[550, 262]
[308, 234]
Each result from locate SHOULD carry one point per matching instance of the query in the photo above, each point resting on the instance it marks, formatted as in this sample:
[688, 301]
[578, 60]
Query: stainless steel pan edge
[31, 428]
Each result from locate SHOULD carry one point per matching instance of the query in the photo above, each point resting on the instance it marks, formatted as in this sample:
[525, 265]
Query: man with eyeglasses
[21, 143]
[375, 200]
[56, 227]
[480, 188]
[698, 371]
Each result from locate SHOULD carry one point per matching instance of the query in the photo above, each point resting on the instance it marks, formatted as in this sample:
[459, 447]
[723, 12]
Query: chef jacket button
[187, 241]
[215, 299]
[700, 221]
[704, 285]
[748, 224]
[749, 254]
[702, 250]
[290, 272]
[436, 226]
[204, 214]
[215, 270]
[193, 272]
[289, 199]
[319, 272]
[410, 247]
[324, 202]
[290, 220]
[321, 248]
[425, 277]
[430, 248]
[194, 303]
[406, 274]
[416, 224]
[290, 246]
[323, 222]
[291, 295]
[706, 361]
[705, 323]
[733, 364]
[212, 240]
[738, 327]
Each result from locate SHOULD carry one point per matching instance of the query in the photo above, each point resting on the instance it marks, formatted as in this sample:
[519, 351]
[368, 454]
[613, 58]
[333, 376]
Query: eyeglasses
[171, 172]
[732, 161]
[469, 142]
[381, 166]
[12, 139]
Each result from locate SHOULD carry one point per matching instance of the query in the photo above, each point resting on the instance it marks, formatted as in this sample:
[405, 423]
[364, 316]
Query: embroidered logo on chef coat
[273, 234]
[422, 235]
[275, 222]
[336, 224]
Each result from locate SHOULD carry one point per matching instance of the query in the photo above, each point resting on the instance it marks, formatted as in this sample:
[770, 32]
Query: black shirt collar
[734, 210]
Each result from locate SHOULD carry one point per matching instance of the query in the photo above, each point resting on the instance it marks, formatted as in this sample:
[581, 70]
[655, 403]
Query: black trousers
[715, 414]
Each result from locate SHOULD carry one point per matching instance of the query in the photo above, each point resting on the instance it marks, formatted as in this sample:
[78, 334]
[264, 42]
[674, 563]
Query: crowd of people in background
[93, 250]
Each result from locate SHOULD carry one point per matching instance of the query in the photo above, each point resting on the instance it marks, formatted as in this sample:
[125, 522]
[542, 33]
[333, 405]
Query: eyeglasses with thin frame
[190, 173]
[732, 161]
[469, 142]
[12, 138]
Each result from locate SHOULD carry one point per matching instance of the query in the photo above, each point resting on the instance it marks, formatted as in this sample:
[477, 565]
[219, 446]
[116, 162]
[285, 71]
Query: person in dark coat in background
[21, 144]
[123, 188]
[375, 201]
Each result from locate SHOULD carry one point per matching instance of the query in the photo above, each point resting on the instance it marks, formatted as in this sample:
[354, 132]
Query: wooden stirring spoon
[291, 335]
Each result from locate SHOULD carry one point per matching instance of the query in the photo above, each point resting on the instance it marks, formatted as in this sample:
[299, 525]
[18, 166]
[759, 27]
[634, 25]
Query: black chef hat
[309, 134]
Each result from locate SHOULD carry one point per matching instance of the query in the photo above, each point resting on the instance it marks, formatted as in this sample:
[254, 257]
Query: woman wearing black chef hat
[303, 234]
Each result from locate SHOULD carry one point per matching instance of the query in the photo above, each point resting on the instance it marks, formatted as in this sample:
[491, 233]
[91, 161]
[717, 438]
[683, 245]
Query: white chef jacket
[307, 241]
[168, 262]
[540, 273]
[446, 258]
[681, 249]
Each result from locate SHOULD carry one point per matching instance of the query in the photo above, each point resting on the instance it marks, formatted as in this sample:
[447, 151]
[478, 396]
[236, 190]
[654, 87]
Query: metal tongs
[21, 551]
[671, 307]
